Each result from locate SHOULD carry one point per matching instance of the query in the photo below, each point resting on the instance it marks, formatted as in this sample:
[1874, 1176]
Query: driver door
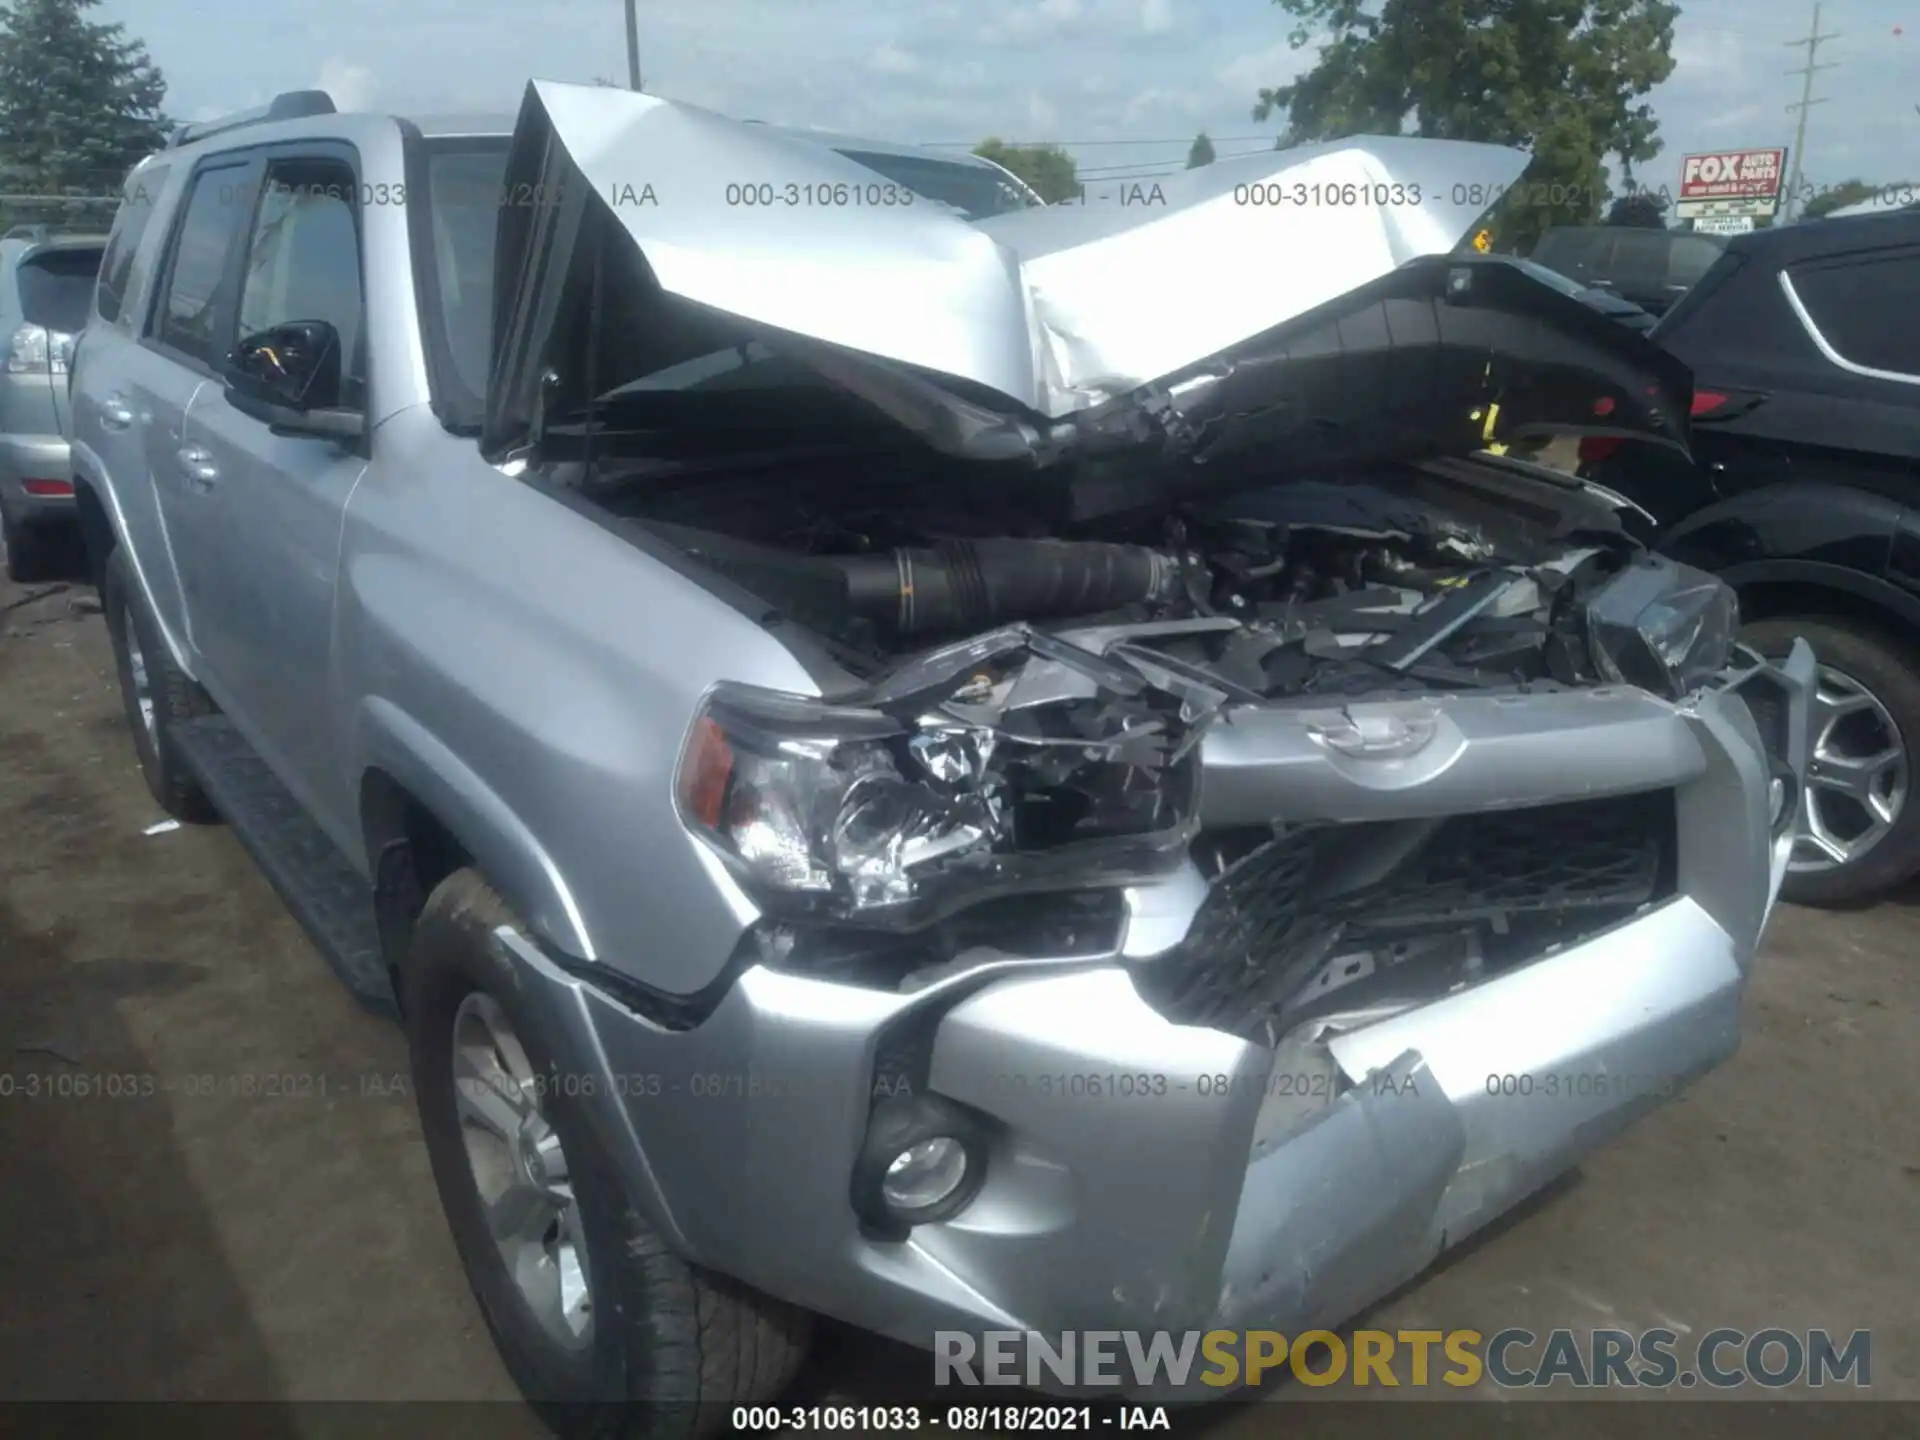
[283, 497]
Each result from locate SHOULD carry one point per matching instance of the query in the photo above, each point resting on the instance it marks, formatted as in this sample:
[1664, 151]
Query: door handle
[197, 463]
[115, 412]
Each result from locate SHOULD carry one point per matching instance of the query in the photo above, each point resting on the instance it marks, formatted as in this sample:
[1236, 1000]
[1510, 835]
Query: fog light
[924, 1159]
[923, 1175]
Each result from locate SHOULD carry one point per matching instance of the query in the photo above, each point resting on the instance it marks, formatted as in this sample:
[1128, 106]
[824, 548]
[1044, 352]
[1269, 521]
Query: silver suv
[46, 292]
[1022, 774]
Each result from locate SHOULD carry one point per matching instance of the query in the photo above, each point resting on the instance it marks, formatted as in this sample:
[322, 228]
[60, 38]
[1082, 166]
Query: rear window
[129, 226]
[1638, 262]
[1577, 254]
[56, 287]
[1690, 257]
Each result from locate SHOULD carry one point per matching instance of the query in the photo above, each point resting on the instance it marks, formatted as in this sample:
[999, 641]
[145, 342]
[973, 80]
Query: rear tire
[156, 693]
[670, 1349]
[1877, 674]
[34, 553]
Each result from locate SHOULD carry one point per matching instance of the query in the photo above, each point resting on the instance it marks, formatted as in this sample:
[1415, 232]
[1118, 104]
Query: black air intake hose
[976, 584]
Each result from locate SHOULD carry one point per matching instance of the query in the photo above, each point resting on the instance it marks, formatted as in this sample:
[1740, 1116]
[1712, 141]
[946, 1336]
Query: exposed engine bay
[1419, 579]
[1021, 731]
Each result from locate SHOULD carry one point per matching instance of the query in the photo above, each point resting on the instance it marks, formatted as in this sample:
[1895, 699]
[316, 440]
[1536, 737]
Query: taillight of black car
[1595, 448]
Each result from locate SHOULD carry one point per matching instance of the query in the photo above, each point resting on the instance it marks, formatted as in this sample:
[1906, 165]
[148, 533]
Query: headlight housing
[1004, 770]
[1663, 626]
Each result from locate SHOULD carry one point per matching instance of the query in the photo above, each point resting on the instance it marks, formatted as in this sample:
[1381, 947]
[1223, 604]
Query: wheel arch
[424, 814]
[1770, 589]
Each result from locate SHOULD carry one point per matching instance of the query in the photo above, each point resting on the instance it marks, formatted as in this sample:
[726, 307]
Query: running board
[333, 904]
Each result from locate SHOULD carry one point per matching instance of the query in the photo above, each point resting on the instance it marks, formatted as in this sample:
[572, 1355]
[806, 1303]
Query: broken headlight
[895, 813]
[1662, 626]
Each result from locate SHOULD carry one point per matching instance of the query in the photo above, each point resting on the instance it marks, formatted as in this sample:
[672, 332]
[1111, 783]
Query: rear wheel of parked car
[603, 1327]
[156, 692]
[34, 553]
[1860, 826]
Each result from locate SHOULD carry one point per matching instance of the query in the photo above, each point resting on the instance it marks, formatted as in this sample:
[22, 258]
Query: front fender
[505, 848]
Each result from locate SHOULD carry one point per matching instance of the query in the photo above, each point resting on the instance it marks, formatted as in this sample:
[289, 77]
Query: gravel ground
[198, 1239]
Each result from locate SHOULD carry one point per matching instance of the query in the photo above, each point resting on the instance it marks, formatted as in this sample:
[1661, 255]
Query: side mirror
[289, 377]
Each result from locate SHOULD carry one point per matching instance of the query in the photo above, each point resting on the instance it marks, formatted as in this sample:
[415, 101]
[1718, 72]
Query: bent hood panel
[1052, 309]
[1292, 308]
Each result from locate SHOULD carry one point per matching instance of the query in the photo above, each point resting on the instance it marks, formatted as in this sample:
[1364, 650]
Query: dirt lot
[194, 1239]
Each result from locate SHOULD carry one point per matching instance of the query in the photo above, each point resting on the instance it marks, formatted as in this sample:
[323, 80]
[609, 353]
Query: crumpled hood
[982, 337]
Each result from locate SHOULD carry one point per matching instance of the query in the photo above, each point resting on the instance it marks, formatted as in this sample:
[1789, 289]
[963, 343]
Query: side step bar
[332, 902]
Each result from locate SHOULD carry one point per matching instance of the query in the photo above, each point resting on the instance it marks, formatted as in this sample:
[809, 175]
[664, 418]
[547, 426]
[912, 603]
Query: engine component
[967, 585]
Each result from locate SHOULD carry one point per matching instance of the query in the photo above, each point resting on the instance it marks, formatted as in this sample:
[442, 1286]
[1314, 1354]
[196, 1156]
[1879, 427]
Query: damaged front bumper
[1147, 1173]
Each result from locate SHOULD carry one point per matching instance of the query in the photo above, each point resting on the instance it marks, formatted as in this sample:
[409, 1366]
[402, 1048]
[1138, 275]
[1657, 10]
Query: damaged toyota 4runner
[1030, 774]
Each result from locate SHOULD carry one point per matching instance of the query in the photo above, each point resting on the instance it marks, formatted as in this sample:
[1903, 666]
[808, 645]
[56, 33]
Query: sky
[1124, 84]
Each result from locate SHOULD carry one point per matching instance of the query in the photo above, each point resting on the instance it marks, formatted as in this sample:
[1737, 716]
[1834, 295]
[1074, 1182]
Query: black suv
[1804, 492]
[1652, 268]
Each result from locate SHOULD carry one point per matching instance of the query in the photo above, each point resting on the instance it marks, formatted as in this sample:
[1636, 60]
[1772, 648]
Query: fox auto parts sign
[1732, 182]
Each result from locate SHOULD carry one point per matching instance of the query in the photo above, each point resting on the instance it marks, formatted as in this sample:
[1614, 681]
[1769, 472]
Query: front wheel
[605, 1330]
[1860, 826]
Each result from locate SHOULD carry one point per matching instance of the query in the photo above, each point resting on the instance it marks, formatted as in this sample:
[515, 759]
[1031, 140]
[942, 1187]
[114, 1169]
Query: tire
[172, 692]
[684, 1346]
[1886, 667]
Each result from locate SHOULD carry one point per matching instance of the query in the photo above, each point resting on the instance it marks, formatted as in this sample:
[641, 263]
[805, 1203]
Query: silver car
[46, 292]
[1021, 774]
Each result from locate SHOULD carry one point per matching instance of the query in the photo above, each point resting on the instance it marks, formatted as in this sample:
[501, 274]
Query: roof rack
[291, 105]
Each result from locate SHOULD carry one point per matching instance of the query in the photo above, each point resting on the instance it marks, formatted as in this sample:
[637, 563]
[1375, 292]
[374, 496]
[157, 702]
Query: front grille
[1521, 879]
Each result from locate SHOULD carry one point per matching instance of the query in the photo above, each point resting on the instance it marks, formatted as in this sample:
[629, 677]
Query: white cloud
[1734, 118]
[1095, 69]
[1250, 73]
[351, 86]
[890, 59]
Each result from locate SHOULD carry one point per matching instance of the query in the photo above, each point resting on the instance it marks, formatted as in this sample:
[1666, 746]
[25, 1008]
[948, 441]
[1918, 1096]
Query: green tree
[1201, 152]
[1646, 209]
[79, 103]
[1847, 192]
[1562, 78]
[1047, 168]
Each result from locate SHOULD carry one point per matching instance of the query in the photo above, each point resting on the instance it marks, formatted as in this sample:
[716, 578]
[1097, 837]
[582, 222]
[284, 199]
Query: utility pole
[632, 47]
[1813, 42]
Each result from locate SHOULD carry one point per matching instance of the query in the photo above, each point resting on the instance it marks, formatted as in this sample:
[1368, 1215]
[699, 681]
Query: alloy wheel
[1857, 778]
[137, 670]
[520, 1171]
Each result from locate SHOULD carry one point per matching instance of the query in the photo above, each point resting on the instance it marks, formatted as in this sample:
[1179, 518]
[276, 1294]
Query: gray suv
[46, 293]
[1030, 773]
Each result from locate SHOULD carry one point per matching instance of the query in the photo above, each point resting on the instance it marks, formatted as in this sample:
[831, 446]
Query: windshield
[975, 190]
[463, 196]
[56, 287]
[671, 362]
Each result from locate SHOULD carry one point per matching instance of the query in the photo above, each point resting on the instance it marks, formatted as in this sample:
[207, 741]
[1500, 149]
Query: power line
[1813, 42]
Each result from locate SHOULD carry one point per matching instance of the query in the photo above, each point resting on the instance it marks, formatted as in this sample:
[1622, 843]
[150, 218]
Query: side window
[1690, 259]
[137, 201]
[1865, 309]
[303, 260]
[184, 319]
